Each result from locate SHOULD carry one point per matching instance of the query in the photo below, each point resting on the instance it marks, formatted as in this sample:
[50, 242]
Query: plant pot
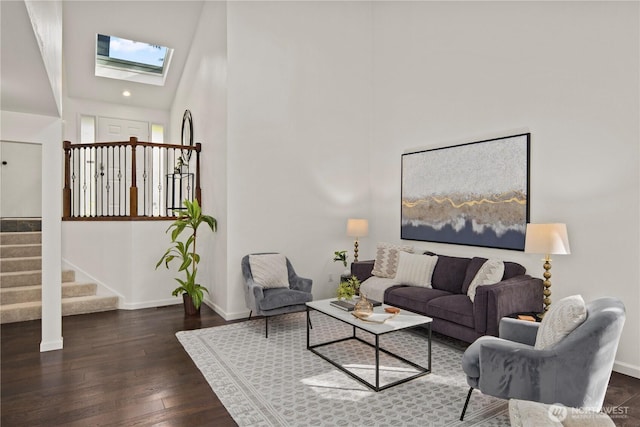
[189, 308]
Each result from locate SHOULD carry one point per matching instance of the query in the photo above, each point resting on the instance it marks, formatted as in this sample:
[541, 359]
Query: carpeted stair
[21, 282]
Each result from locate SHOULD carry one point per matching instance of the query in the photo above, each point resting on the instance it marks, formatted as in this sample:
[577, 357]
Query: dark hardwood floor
[127, 368]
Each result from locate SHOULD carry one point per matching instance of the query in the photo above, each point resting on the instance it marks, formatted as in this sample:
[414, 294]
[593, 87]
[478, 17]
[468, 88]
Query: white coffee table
[403, 320]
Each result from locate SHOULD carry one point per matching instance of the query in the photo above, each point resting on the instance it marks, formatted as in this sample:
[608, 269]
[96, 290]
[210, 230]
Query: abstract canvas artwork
[473, 194]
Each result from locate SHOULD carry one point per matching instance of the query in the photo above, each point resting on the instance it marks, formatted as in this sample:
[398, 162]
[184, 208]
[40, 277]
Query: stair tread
[32, 287]
[10, 233]
[17, 273]
[20, 289]
[88, 298]
[64, 300]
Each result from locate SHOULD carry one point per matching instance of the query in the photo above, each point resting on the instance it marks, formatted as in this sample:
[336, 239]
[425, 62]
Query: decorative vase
[189, 308]
[363, 307]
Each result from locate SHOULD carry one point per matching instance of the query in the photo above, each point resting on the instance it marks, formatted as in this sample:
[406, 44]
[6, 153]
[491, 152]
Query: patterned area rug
[278, 382]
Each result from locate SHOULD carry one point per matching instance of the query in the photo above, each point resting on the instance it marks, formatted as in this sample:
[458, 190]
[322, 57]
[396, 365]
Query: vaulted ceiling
[25, 87]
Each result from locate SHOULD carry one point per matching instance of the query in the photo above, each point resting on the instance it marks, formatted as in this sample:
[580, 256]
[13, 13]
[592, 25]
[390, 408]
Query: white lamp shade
[357, 227]
[547, 239]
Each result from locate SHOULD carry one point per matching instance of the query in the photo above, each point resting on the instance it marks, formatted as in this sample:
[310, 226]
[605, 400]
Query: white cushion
[386, 262]
[374, 287]
[269, 270]
[490, 272]
[415, 269]
[562, 318]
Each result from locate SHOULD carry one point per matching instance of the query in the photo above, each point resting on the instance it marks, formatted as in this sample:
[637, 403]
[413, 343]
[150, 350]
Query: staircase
[21, 282]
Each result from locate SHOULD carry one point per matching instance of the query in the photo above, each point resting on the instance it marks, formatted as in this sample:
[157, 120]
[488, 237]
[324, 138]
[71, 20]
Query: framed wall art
[474, 194]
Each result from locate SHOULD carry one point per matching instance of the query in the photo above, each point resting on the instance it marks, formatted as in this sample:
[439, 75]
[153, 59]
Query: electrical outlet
[330, 278]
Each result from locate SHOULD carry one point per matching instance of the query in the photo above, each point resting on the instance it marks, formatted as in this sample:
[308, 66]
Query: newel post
[66, 191]
[133, 190]
[198, 189]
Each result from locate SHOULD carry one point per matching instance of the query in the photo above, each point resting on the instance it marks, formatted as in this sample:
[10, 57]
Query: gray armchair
[574, 372]
[269, 302]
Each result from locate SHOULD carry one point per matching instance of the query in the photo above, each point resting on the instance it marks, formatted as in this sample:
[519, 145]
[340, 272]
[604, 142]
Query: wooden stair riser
[20, 251]
[20, 264]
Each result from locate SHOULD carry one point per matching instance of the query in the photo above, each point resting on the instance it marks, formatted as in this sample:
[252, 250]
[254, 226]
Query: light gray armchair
[269, 302]
[574, 372]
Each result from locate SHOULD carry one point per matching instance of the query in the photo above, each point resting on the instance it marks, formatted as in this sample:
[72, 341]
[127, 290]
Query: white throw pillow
[415, 269]
[386, 263]
[490, 272]
[374, 287]
[562, 318]
[269, 270]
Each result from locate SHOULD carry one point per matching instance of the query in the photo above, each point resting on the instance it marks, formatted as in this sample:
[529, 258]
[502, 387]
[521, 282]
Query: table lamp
[547, 239]
[357, 227]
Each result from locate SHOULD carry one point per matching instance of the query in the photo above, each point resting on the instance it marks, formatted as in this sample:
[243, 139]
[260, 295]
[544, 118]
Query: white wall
[45, 130]
[569, 73]
[324, 97]
[203, 90]
[46, 20]
[75, 107]
[304, 109]
[299, 128]
[120, 257]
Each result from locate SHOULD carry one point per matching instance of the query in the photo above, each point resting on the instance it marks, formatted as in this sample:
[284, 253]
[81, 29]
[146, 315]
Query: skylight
[119, 58]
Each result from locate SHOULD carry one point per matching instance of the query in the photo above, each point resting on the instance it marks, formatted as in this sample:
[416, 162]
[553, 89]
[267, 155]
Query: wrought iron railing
[129, 180]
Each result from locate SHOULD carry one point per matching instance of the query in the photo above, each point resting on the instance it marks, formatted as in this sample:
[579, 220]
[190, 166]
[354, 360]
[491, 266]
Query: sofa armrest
[522, 331]
[362, 269]
[493, 302]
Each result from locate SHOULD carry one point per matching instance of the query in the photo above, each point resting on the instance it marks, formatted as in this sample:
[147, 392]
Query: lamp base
[547, 284]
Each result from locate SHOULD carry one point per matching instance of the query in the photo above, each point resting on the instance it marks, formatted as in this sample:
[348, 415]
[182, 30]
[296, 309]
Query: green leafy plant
[179, 163]
[348, 288]
[185, 251]
[340, 256]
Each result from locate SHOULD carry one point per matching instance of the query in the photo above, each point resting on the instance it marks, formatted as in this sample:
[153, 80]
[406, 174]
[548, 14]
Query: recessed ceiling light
[126, 93]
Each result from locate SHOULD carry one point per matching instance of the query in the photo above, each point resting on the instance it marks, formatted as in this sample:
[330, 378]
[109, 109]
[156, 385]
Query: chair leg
[309, 320]
[250, 314]
[266, 326]
[466, 403]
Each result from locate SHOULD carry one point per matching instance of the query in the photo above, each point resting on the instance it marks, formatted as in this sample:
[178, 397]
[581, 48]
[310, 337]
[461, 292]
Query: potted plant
[348, 288]
[182, 165]
[342, 257]
[188, 221]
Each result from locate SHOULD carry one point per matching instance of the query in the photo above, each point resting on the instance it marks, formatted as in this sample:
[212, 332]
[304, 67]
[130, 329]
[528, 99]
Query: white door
[115, 167]
[20, 180]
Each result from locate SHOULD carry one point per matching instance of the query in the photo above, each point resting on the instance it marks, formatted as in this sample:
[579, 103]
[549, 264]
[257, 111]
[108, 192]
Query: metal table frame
[376, 387]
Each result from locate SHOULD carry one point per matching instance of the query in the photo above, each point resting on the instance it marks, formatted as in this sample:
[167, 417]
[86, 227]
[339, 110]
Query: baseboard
[226, 316]
[626, 369]
[51, 345]
[150, 304]
[86, 277]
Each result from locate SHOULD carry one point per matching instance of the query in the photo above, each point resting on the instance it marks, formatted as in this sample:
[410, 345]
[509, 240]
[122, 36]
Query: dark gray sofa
[447, 302]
